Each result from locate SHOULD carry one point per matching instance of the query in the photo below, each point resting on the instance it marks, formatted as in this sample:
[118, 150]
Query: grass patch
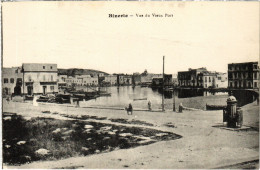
[68, 138]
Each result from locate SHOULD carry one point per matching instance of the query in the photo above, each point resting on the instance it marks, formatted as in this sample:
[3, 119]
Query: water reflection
[139, 97]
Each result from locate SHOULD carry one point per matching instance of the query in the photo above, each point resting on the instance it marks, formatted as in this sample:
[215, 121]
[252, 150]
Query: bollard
[231, 111]
[232, 114]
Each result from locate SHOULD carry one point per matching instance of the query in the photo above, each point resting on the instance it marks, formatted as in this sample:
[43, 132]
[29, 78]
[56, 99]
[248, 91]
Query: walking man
[149, 105]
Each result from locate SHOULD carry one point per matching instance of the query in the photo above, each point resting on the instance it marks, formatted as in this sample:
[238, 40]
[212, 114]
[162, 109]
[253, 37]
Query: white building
[40, 78]
[111, 79]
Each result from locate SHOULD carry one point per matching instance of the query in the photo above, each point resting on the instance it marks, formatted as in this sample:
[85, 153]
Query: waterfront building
[148, 78]
[62, 81]
[190, 78]
[90, 81]
[202, 78]
[167, 80]
[208, 79]
[136, 79]
[221, 80]
[127, 79]
[12, 81]
[124, 79]
[82, 80]
[40, 78]
[243, 75]
[69, 80]
[110, 79]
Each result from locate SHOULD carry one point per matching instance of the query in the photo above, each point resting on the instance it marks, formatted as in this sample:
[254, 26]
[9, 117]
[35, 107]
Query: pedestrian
[149, 105]
[129, 109]
[77, 102]
[180, 108]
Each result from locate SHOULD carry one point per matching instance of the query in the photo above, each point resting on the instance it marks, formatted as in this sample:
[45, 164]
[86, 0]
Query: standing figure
[149, 105]
[180, 108]
[129, 109]
[77, 103]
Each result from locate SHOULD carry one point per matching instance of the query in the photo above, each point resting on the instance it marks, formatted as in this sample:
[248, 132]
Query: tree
[145, 73]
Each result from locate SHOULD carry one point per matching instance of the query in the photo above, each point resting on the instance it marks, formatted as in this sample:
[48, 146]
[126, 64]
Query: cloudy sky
[81, 35]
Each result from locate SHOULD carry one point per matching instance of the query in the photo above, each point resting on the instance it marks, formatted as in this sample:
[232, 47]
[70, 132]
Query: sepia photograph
[130, 85]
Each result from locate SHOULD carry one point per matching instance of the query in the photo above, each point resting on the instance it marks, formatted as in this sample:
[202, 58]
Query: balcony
[48, 82]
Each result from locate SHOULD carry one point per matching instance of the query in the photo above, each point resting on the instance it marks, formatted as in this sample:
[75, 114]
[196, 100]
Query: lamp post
[163, 88]
[173, 96]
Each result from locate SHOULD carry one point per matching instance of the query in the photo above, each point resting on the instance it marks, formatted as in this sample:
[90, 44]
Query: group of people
[129, 109]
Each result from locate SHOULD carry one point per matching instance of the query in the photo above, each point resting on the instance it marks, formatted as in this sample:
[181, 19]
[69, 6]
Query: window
[51, 67]
[255, 66]
[219, 78]
[52, 88]
[19, 81]
[12, 80]
[255, 74]
[205, 79]
[209, 79]
[5, 80]
[255, 84]
[231, 84]
[43, 67]
[51, 77]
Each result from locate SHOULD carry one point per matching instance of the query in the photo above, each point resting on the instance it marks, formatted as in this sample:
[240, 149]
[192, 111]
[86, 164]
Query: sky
[81, 35]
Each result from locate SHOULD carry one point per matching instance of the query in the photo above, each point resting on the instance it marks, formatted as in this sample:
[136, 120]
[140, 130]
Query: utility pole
[23, 83]
[163, 88]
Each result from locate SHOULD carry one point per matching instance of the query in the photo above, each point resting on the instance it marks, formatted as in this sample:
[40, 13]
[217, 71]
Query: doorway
[17, 90]
[30, 90]
[44, 89]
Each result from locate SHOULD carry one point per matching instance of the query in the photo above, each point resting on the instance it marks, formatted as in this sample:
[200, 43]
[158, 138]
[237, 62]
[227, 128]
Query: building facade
[124, 79]
[149, 78]
[12, 81]
[40, 78]
[243, 75]
[221, 80]
[136, 79]
[62, 81]
[167, 81]
[202, 78]
[82, 80]
[111, 79]
[191, 78]
[90, 81]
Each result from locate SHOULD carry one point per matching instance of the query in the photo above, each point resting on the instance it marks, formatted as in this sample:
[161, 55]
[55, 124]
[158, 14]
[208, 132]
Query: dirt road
[203, 143]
